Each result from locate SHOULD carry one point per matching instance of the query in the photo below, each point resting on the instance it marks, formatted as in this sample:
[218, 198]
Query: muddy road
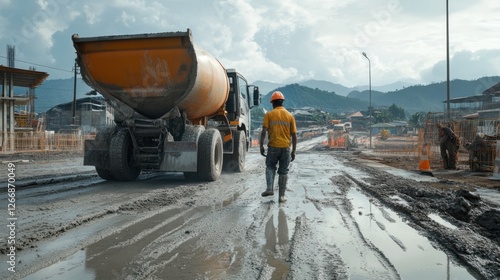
[345, 218]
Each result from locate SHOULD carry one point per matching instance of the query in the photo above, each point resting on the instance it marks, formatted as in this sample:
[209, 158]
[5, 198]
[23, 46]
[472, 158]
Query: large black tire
[236, 161]
[103, 139]
[104, 173]
[210, 154]
[192, 134]
[121, 157]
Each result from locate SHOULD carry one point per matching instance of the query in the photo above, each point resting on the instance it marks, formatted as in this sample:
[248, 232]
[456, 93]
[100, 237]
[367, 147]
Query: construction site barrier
[43, 141]
[496, 171]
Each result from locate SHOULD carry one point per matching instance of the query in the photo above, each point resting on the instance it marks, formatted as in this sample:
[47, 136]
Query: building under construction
[22, 130]
[17, 111]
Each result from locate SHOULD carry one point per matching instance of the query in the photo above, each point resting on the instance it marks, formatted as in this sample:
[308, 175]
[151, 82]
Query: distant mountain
[327, 86]
[266, 87]
[319, 94]
[365, 95]
[387, 88]
[298, 96]
[427, 98]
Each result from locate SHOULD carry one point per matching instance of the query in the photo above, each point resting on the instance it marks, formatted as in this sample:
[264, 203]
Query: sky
[274, 40]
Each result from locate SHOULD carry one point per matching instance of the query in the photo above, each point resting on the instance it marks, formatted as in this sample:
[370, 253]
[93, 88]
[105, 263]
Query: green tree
[417, 119]
[383, 117]
[397, 113]
[390, 114]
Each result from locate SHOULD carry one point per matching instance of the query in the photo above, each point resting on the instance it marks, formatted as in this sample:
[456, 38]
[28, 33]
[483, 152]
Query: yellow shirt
[279, 123]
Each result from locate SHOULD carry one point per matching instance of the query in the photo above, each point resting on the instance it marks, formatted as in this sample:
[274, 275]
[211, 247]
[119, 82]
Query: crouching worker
[280, 125]
[449, 143]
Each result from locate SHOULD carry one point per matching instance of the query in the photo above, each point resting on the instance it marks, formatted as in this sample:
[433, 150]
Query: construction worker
[449, 143]
[282, 134]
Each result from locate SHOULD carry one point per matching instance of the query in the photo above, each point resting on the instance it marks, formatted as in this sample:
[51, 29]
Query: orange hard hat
[277, 95]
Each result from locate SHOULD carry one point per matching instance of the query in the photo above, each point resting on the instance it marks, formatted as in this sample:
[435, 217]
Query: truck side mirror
[256, 96]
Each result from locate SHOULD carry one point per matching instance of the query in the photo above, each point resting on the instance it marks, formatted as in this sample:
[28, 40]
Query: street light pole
[448, 115]
[370, 89]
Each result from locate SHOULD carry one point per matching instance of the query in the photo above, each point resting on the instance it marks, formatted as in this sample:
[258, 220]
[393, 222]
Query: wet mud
[345, 218]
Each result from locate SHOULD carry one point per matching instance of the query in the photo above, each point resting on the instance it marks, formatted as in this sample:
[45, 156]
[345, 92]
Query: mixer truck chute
[176, 107]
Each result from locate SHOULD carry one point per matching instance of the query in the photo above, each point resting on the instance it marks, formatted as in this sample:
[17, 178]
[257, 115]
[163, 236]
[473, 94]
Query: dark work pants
[278, 155]
[449, 154]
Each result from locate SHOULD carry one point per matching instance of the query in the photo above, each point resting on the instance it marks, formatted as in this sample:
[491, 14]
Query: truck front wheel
[210, 155]
[121, 152]
[236, 161]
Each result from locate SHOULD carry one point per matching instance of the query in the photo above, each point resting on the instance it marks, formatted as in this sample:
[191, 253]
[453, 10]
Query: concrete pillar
[12, 123]
[3, 107]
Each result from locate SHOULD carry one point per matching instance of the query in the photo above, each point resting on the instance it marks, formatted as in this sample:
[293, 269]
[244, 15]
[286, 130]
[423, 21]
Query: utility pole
[74, 94]
[370, 89]
[447, 65]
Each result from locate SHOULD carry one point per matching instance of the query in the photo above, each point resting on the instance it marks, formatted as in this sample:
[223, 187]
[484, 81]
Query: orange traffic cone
[424, 159]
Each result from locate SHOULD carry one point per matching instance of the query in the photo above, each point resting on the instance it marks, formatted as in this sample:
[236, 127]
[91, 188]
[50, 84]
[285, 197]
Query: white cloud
[274, 40]
[463, 63]
[93, 13]
[127, 19]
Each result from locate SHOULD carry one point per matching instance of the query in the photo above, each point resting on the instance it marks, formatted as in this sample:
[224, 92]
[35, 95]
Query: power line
[61, 89]
[41, 65]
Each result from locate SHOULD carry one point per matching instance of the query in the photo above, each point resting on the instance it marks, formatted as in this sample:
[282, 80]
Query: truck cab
[238, 106]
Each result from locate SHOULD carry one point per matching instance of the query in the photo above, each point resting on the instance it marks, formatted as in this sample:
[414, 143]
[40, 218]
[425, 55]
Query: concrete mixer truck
[176, 108]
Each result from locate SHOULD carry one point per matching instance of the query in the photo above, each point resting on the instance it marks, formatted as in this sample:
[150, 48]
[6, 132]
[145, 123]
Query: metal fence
[32, 141]
[477, 143]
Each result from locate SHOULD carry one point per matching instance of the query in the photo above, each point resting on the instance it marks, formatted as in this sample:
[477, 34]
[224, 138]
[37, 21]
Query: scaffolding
[12, 121]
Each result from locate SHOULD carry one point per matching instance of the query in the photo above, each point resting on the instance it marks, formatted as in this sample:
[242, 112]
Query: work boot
[270, 183]
[282, 187]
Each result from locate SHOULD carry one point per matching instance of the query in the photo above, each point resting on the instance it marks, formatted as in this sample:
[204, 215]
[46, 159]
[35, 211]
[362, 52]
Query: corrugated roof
[383, 125]
[22, 77]
[357, 114]
[493, 89]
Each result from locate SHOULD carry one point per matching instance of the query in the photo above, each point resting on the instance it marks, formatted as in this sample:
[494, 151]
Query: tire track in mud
[49, 211]
[171, 228]
[339, 201]
[464, 245]
[326, 210]
[324, 262]
[345, 209]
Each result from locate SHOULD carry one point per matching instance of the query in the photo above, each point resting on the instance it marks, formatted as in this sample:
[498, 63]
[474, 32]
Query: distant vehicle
[348, 126]
[340, 127]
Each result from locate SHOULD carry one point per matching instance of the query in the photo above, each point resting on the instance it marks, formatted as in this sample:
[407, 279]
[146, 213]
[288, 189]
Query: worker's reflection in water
[276, 249]
[282, 228]
[280, 237]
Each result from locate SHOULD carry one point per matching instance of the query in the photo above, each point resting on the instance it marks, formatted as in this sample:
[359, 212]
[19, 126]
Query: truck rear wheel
[104, 173]
[210, 155]
[102, 140]
[192, 134]
[121, 151]
[236, 161]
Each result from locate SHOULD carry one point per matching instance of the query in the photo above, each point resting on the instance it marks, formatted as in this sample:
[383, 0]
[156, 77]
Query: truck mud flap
[96, 155]
[180, 157]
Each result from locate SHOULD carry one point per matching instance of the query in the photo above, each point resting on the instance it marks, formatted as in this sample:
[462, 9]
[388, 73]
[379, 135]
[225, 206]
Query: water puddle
[73, 267]
[490, 195]
[412, 255]
[436, 218]
[403, 173]
[105, 257]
